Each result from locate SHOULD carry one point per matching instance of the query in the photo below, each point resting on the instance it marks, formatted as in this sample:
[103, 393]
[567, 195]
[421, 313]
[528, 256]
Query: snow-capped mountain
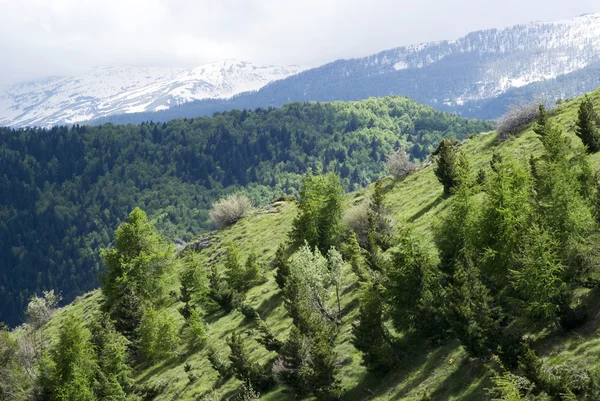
[105, 91]
[477, 75]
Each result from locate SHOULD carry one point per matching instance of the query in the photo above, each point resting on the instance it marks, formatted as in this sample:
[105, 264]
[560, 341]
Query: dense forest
[507, 269]
[64, 189]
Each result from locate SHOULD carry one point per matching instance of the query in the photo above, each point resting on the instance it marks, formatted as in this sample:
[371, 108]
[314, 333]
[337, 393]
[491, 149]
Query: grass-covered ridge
[444, 372]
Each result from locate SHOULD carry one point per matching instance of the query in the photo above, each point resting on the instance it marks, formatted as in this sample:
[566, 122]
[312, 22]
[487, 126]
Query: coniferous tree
[410, 285]
[157, 333]
[507, 212]
[194, 331]
[281, 265]
[194, 284]
[370, 336]
[135, 267]
[587, 125]
[258, 376]
[234, 271]
[319, 212]
[252, 271]
[471, 311]
[69, 373]
[542, 121]
[447, 159]
[114, 373]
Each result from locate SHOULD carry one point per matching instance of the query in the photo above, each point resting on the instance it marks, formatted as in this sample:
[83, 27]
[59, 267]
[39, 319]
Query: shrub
[399, 165]
[357, 219]
[228, 211]
[518, 116]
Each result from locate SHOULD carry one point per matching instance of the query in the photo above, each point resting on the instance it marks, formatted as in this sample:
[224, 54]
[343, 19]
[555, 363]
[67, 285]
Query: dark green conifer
[587, 125]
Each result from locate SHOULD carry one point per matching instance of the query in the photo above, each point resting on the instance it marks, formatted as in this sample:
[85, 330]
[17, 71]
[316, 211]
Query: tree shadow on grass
[268, 305]
[426, 209]
[166, 365]
[460, 380]
[420, 361]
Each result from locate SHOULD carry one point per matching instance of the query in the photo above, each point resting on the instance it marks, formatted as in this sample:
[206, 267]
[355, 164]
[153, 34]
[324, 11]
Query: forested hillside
[65, 189]
[475, 278]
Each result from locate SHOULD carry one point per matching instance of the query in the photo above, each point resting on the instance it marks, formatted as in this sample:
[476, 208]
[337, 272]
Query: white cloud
[53, 37]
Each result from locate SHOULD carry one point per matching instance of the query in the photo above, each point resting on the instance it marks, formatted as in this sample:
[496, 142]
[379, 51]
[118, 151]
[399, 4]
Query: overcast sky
[57, 37]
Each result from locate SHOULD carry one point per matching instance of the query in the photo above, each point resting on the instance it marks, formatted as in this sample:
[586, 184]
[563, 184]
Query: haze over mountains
[107, 91]
[477, 75]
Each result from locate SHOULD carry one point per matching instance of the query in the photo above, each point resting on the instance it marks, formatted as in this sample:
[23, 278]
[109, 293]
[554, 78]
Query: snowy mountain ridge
[105, 91]
[515, 56]
[462, 75]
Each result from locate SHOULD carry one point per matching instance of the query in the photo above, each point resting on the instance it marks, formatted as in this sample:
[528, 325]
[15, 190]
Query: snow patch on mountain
[117, 90]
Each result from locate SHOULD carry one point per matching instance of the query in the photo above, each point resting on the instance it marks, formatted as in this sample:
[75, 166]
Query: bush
[518, 116]
[357, 219]
[399, 165]
[228, 211]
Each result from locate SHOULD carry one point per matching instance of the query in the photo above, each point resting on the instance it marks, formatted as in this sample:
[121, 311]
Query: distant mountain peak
[461, 75]
[108, 90]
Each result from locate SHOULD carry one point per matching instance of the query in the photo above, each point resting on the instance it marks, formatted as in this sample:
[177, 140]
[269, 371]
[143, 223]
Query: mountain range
[478, 75]
[106, 91]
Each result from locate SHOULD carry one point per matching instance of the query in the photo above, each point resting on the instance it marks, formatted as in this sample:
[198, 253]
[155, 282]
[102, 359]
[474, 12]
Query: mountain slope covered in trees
[471, 76]
[475, 278]
[65, 188]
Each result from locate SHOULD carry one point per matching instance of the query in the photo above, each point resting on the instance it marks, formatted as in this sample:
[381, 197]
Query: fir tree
[587, 125]
[370, 336]
[281, 265]
[234, 271]
[447, 159]
[114, 373]
[135, 267]
[319, 212]
[70, 372]
[258, 376]
[194, 331]
[252, 271]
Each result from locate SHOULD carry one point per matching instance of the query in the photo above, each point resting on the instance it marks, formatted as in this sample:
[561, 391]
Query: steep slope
[446, 372]
[464, 75]
[64, 188]
[106, 91]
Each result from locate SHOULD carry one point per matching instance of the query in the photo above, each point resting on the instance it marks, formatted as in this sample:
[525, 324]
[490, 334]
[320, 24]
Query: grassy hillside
[64, 189]
[445, 372]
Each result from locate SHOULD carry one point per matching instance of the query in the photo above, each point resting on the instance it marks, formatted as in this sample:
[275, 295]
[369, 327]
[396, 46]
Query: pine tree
[409, 277]
[252, 271]
[258, 376]
[135, 267]
[447, 164]
[370, 336]
[194, 331]
[234, 271]
[319, 212]
[114, 373]
[281, 265]
[72, 365]
[157, 333]
[587, 125]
